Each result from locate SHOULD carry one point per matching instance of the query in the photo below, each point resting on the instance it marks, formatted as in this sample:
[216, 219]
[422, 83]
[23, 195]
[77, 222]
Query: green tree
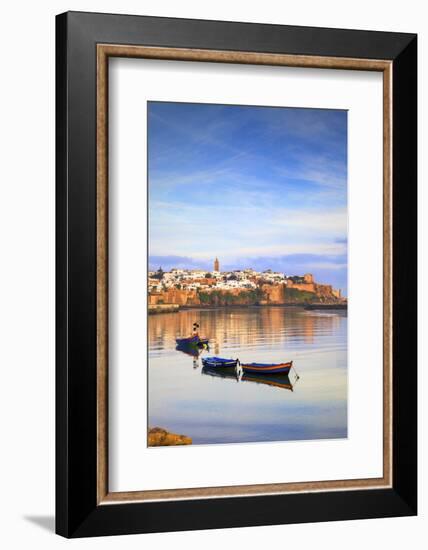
[299, 296]
[204, 298]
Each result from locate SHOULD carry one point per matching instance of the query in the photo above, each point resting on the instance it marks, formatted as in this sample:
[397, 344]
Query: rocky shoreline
[159, 437]
[162, 308]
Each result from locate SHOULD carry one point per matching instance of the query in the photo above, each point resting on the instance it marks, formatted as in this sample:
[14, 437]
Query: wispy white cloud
[246, 183]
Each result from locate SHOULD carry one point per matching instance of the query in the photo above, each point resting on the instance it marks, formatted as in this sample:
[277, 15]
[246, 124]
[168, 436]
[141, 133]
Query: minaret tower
[216, 265]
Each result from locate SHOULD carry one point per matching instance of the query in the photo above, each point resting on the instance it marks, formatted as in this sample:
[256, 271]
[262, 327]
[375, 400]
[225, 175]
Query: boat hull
[263, 368]
[219, 363]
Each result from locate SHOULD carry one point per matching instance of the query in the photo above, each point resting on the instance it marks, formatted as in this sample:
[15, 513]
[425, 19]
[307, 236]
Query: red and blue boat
[267, 368]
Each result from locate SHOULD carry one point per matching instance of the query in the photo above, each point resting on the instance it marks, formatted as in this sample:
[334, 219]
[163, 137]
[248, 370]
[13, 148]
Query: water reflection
[250, 327]
[194, 351]
[216, 409]
[279, 381]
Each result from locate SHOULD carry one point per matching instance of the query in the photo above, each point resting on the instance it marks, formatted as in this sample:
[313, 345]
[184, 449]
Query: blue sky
[258, 187]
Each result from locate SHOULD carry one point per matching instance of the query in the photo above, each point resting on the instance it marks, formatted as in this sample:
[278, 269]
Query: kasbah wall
[175, 296]
[309, 285]
[273, 294]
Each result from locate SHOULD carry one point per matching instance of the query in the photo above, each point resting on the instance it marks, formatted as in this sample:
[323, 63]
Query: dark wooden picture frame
[84, 505]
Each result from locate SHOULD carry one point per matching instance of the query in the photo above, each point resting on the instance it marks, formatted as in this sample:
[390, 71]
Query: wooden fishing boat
[219, 362]
[267, 368]
[191, 340]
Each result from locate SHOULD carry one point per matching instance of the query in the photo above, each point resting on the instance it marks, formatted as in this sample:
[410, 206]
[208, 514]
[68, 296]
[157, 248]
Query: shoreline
[160, 437]
[327, 306]
[162, 308]
[175, 308]
[287, 304]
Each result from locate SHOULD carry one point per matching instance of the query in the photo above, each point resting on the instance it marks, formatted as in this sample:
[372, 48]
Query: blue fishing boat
[267, 368]
[195, 339]
[219, 362]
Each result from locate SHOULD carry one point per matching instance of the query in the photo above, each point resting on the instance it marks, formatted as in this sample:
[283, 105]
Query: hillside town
[197, 287]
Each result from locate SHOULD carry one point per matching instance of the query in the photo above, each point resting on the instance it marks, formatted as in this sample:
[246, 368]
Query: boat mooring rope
[295, 372]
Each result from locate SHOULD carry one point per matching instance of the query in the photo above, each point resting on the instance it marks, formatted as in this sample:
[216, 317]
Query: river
[183, 399]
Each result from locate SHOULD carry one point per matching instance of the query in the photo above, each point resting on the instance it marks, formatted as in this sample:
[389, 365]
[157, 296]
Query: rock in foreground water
[158, 437]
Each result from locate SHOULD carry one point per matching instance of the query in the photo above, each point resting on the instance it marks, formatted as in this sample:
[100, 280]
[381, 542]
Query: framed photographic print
[236, 266]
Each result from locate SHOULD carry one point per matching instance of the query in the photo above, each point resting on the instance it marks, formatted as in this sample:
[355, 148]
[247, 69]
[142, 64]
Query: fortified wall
[175, 296]
[275, 294]
[309, 285]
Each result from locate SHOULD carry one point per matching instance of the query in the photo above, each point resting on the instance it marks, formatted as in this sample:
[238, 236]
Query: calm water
[183, 399]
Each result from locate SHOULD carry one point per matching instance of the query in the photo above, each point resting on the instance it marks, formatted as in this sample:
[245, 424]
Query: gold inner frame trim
[104, 51]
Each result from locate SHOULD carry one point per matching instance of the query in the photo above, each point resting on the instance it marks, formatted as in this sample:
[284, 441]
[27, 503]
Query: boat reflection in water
[279, 380]
[193, 350]
[212, 410]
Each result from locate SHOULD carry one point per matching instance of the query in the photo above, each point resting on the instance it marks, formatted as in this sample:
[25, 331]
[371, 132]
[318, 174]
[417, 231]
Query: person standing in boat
[195, 329]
